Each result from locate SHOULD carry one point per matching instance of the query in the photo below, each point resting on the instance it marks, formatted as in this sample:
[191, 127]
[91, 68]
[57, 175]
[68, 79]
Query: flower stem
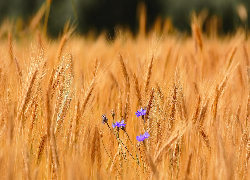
[122, 144]
[133, 147]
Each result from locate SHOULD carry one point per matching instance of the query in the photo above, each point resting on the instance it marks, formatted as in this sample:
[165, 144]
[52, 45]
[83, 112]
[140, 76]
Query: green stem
[110, 158]
[122, 143]
[133, 147]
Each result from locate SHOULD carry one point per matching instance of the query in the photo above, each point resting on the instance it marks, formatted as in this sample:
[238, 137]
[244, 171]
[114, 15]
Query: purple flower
[141, 112]
[119, 124]
[142, 136]
[146, 135]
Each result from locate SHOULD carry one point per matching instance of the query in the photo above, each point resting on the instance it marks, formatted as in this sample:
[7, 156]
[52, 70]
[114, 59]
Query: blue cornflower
[146, 135]
[119, 124]
[142, 136]
[141, 112]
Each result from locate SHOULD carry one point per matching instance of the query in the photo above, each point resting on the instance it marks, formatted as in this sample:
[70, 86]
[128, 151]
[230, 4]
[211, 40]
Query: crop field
[155, 106]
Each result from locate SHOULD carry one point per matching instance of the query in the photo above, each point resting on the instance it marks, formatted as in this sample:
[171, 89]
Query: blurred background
[106, 15]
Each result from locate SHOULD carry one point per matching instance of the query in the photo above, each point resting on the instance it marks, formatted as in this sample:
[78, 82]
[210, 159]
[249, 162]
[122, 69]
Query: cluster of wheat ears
[195, 91]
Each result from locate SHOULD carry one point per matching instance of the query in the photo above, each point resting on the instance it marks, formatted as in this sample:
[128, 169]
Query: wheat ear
[137, 90]
[173, 109]
[149, 74]
[188, 167]
[27, 97]
[13, 59]
[41, 148]
[196, 32]
[82, 109]
[246, 57]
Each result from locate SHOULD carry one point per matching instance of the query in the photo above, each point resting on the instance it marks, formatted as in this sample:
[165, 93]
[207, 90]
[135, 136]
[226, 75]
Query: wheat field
[60, 98]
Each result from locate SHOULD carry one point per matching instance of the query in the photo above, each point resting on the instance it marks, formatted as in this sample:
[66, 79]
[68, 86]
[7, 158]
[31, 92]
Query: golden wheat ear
[196, 31]
[13, 58]
[149, 74]
[41, 148]
[137, 90]
[67, 32]
[26, 98]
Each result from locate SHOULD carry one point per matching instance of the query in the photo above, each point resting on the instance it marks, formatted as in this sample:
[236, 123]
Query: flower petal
[146, 135]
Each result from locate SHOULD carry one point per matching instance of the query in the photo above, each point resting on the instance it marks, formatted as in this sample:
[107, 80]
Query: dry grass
[195, 89]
